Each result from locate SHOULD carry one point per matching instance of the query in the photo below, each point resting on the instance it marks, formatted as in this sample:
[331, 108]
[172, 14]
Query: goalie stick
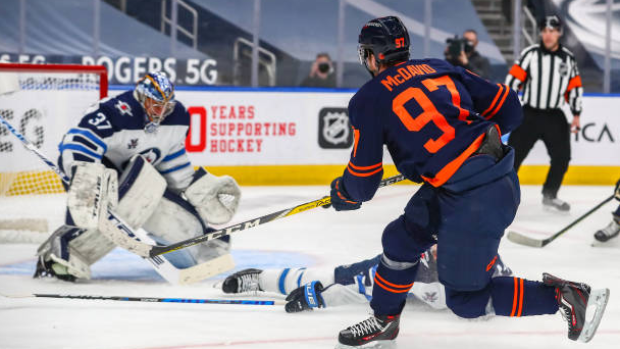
[528, 241]
[151, 251]
[150, 299]
[162, 266]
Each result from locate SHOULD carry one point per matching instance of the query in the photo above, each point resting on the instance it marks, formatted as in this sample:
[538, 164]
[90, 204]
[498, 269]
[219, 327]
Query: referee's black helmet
[552, 22]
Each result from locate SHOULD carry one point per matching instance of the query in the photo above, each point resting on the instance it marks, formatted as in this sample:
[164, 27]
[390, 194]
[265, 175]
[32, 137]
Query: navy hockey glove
[341, 199]
[617, 191]
[306, 297]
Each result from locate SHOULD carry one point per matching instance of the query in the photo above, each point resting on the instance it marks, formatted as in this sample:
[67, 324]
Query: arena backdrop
[296, 137]
[282, 137]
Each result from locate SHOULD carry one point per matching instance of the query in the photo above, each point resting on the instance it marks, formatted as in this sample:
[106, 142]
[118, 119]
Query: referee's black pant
[550, 126]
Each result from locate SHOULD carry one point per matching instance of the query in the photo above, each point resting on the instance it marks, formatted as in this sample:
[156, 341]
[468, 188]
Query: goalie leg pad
[74, 250]
[216, 198]
[176, 220]
[140, 191]
[92, 190]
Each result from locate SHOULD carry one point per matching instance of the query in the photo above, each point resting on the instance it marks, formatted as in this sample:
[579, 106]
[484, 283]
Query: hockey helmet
[386, 38]
[552, 22]
[156, 94]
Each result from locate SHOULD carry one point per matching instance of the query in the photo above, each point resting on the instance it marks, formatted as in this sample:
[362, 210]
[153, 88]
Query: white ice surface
[317, 238]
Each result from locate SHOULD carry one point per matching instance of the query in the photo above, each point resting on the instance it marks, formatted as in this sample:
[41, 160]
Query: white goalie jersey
[113, 131]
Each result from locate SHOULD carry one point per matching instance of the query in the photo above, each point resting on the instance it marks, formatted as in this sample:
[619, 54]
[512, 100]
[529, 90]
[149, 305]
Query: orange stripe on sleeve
[450, 169]
[359, 174]
[366, 168]
[514, 300]
[573, 83]
[521, 298]
[499, 93]
[356, 134]
[499, 105]
[518, 72]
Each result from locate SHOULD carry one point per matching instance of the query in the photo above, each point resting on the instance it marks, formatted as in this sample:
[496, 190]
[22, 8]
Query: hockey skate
[242, 281]
[374, 332]
[555, 204]
[574, 299]
[609, 232]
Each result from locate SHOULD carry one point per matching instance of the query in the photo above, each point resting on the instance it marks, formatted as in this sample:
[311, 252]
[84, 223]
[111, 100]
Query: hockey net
[41, 101]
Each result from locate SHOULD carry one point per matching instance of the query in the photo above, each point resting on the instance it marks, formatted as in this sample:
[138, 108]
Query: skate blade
[389, 344]
[552, 209]
[598, 300]
[600, 244]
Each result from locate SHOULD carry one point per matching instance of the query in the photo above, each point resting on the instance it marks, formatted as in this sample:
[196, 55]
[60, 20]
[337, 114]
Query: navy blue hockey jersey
[431, 116]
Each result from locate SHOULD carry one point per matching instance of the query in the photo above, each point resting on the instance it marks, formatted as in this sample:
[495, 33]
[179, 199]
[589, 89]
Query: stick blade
[521, 239]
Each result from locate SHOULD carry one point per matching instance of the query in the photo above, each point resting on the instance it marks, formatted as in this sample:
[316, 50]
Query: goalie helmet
[155, 92]
[386, 38]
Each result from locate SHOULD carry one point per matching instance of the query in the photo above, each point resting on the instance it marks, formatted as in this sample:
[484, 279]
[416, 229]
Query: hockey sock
[391, 286]
[286, 280]
[514, 296]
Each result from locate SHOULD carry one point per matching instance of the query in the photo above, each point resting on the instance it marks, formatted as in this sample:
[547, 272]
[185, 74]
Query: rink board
[310, 145]
[279, 136]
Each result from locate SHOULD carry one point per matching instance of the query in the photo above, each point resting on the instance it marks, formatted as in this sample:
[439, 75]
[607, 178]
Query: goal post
[42, 101]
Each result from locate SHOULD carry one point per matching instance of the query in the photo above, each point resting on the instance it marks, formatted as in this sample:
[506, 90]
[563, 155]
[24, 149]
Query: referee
[548, 76]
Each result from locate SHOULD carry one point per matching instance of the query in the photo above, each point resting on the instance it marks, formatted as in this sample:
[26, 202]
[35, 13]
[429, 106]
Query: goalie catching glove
[215, 198]
[306, 297]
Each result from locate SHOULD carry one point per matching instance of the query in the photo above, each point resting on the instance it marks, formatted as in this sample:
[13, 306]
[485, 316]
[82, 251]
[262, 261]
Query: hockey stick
[159, 250]
[128, 240]
[527, 241]
[149, 299]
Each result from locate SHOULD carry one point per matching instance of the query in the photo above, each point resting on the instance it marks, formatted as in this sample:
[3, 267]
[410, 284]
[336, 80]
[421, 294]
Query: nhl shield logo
[335, 131]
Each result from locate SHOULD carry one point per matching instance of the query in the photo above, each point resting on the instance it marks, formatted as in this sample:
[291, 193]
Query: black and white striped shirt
[548, 79]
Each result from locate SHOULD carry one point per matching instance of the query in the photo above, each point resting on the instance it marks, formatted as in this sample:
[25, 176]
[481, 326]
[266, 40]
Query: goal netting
[41, 101]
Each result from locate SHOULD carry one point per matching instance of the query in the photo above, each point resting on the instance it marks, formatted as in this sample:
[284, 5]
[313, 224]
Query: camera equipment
[325, 67]
[457, 44]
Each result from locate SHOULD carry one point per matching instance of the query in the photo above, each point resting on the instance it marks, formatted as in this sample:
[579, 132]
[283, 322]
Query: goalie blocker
[142, 200]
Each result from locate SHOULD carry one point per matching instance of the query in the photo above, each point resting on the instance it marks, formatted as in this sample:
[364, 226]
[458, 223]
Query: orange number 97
[429, 114]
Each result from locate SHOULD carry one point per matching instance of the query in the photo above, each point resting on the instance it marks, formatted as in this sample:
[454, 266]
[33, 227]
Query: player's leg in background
[286, 280]
[612, 230]
[556, 137]
[523, 138]
[404, 240]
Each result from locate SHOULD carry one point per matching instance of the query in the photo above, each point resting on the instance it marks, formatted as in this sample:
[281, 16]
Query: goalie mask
[155, 92]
